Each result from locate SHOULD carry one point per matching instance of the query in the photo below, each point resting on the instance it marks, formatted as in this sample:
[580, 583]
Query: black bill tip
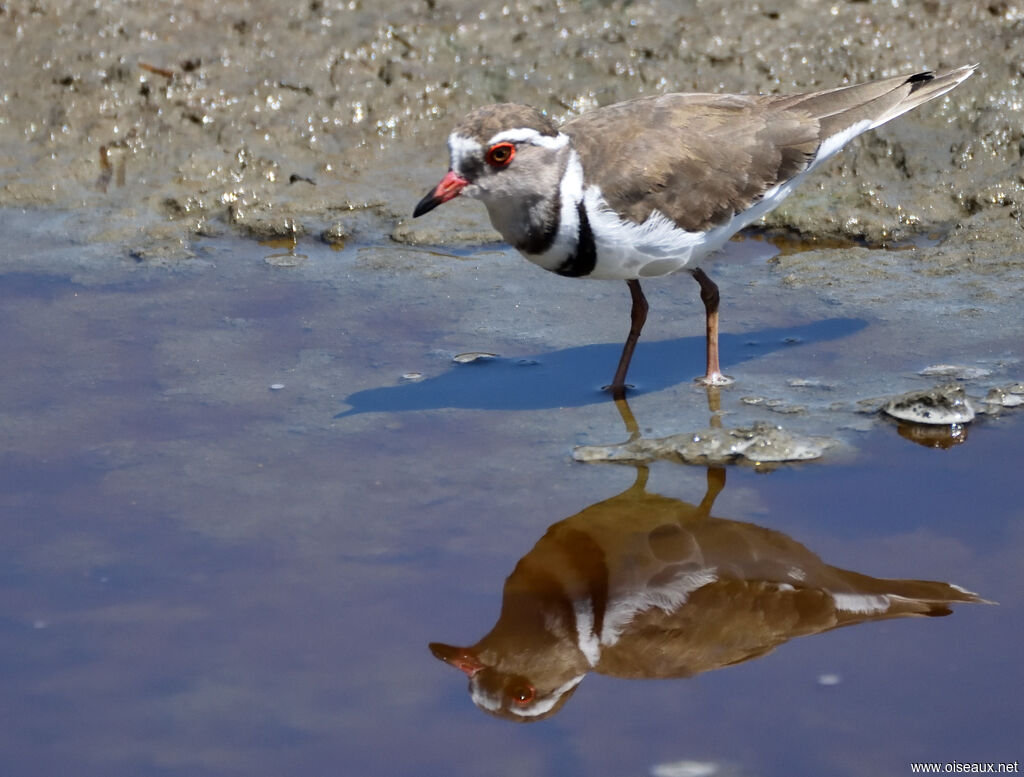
[450, 186]
[426, 205]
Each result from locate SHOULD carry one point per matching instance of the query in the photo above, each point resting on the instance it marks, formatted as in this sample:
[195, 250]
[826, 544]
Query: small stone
[786, 409]
[263, 223]
[829, 679]
[288, 258]
[941, 406]
[162, 251]
[685, 769]
[276, 386]
[956, 371]
[336, 235]
[472, 356]
[1006, 396]
[759, 444]
[809, 383]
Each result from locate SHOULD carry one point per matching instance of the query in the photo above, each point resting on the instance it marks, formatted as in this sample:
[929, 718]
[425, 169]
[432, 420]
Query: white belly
[658, 247]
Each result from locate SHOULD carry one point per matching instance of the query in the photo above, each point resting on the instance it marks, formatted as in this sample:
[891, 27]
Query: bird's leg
[716, 475]
[637, 317]
[709, 296]
[716, 482]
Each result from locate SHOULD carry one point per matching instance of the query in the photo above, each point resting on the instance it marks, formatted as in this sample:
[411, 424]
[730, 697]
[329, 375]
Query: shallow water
[232, 528]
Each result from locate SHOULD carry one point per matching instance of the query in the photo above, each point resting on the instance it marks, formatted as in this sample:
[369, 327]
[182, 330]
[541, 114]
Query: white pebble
[958, 371]
[472, 356]
[685, 769]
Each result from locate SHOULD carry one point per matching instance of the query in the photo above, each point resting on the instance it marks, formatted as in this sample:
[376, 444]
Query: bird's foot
[714, 379]
[618, 391]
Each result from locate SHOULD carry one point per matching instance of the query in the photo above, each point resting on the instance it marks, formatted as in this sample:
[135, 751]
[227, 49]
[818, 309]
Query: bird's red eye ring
[500, 154]
[523, 694]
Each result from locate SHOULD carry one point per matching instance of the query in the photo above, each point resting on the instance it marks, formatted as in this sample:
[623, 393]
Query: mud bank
[162, 123]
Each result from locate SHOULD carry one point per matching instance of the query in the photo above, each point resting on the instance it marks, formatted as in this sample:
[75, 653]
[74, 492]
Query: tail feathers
[924, 87]
[898, 598]
[847, 111]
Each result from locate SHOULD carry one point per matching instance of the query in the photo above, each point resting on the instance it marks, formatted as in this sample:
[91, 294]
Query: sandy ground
[327, 118]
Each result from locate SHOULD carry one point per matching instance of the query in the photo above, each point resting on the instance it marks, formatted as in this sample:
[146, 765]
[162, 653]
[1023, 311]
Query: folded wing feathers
[700, 159]
[877, 102]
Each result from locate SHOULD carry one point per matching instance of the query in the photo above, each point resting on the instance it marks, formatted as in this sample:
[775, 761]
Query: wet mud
[328, 118]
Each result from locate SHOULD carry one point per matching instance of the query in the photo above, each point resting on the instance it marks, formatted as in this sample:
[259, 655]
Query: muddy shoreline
[328, 119]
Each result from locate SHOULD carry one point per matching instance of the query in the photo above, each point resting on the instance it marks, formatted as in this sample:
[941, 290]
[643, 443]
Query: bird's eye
[500, 154]
[522, 694]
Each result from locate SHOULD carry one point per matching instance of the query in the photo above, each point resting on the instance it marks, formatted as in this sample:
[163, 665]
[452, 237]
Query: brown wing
[697, 158]
[701, 158]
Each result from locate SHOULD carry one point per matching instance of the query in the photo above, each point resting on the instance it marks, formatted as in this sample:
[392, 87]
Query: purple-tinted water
[211, 567]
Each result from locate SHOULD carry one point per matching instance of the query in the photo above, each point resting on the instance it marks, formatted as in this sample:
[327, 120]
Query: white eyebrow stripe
[462, 143]
[544, 705]
[488, 700]
[461, 147]
[531, 136]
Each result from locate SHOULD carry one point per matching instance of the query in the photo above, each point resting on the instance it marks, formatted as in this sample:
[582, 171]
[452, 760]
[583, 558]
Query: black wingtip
[920, 78]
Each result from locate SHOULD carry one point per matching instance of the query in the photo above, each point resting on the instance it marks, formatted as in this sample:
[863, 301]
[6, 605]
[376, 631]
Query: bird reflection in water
[646, 586]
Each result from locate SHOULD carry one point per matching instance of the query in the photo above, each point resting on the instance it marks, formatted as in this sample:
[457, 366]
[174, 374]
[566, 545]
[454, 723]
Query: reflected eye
[522, 694]
[500, 154]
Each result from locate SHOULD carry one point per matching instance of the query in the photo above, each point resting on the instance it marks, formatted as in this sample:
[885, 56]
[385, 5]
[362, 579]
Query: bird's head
[500, 152]
[512, 695]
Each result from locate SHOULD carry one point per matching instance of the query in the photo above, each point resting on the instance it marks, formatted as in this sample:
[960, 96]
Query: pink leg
[709, 296]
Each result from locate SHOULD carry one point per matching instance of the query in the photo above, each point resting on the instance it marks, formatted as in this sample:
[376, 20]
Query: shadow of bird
[558, 378]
